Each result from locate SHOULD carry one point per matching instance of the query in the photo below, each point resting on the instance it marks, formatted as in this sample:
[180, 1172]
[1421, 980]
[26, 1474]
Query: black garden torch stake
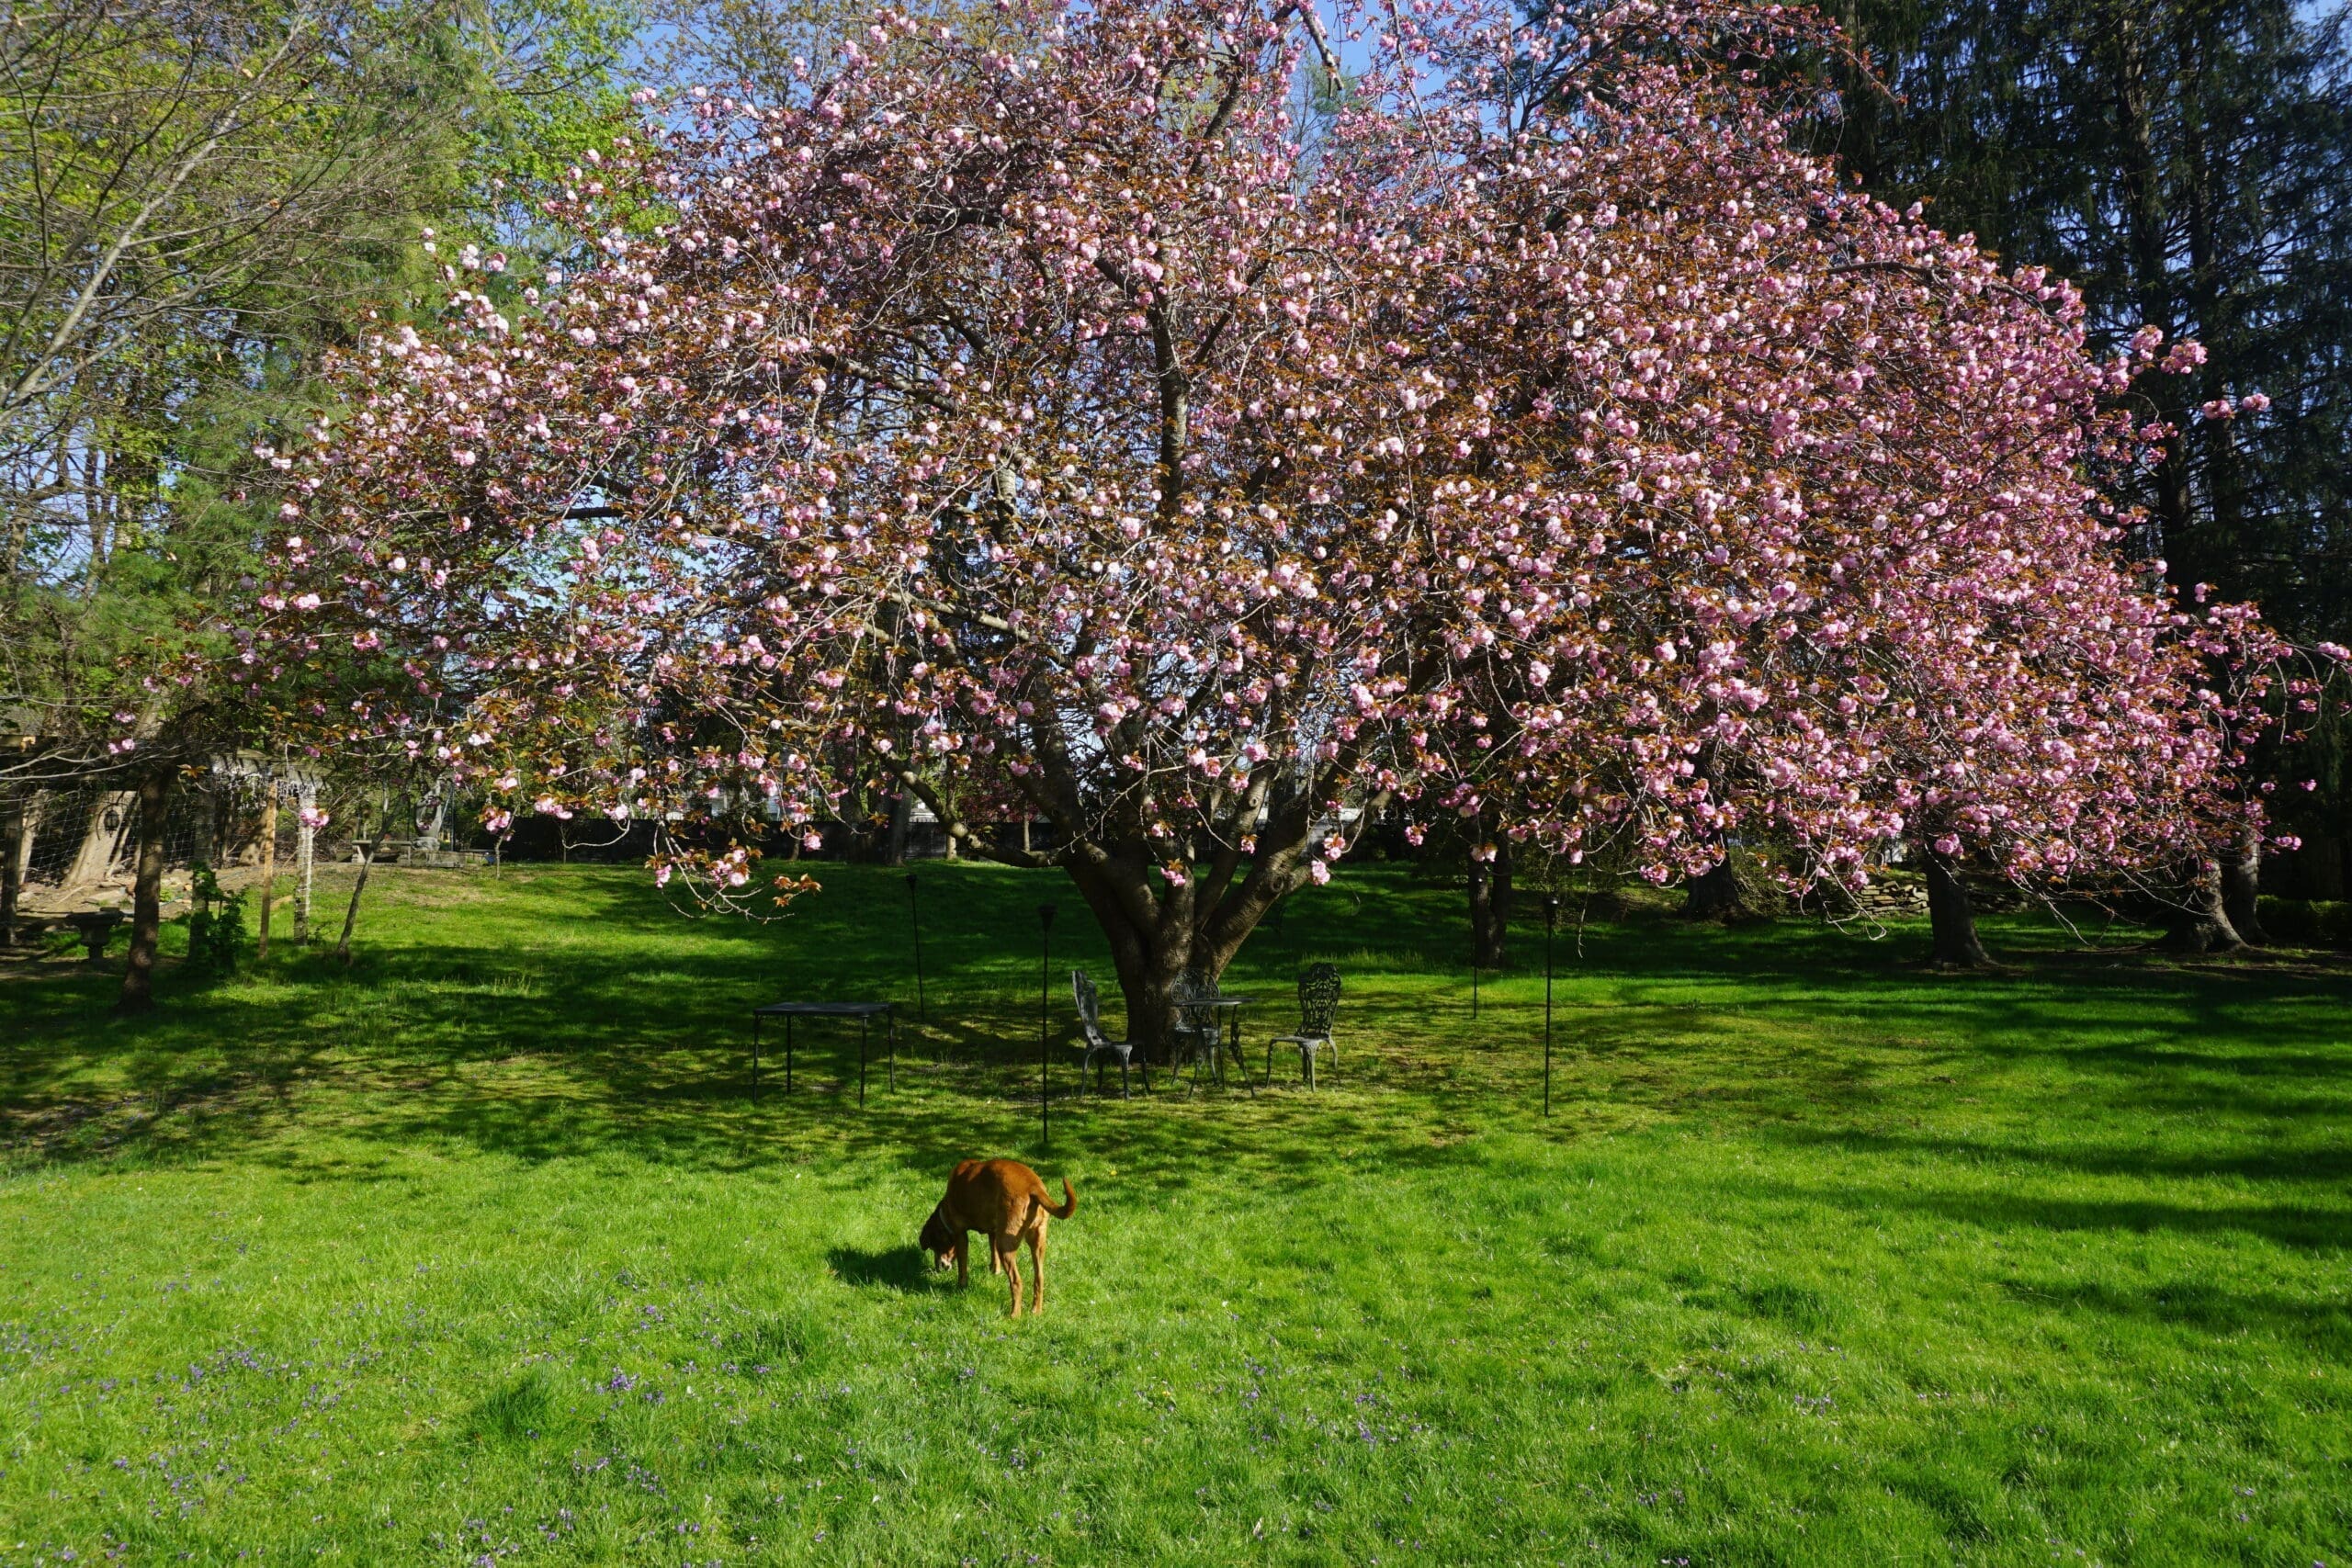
[1551, 924]
[914, 907]
[1045, 987]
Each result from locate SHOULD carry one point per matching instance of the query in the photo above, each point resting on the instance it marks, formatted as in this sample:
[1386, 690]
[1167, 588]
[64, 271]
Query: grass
[479, 1252]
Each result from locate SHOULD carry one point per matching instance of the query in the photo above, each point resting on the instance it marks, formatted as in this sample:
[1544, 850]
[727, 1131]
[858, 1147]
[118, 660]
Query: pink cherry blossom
[1032, 414]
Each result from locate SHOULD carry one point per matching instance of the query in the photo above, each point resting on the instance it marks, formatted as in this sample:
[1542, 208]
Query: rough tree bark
[1951, 923]
[1490, 896]
[903, 819]
[1714, 894]
[1717, 893]
[1155, 937]
[2242, 888]
[2198, 923]
[154, 798]
[1157, 930]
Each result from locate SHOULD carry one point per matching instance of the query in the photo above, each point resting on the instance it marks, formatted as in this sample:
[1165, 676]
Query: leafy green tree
[198, 199]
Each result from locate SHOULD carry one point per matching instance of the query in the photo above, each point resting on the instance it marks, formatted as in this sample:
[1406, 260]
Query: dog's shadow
[892, 1267]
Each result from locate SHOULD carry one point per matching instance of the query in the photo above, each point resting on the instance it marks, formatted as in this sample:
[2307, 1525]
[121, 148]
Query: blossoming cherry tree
[1075, 417]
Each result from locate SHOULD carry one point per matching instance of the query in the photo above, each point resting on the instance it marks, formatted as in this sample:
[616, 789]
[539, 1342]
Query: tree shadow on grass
[2303, 1228]
[2197, 1305]
[2327, 1167]
[573, 1014]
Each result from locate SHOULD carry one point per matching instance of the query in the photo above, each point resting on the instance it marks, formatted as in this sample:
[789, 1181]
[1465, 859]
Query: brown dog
[1003, 1200]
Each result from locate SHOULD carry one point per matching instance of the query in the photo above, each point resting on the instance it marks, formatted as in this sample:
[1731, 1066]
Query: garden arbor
[1074, 414]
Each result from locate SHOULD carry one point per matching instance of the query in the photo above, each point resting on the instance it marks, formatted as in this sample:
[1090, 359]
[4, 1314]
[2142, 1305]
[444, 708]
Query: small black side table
[864, 1013]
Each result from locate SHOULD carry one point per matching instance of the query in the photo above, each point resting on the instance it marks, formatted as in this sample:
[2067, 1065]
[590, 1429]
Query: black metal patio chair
[1319, 1006]
[1100, 1047]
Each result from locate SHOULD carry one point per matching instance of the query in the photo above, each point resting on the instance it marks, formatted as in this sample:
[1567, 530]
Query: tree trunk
[2200, 924]
[903, 817]
[1162, 910]
[2146, 225]
[2242, 888]
[268, 868]
[368, 849]
[154, 798]
[1714, 894]
[1148, 977]
[1155, 937]
[1482, 912]
[306, 841]
[35, 809]
[1490, 906]
[1504, 897]
[1951, 923]
[13, 834]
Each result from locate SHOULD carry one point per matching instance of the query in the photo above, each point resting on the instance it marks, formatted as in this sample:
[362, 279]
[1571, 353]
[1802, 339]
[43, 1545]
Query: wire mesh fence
[76, 847]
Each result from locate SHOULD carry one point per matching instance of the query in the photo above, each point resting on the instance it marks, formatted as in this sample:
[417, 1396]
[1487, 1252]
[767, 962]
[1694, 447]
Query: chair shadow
[892, 1267]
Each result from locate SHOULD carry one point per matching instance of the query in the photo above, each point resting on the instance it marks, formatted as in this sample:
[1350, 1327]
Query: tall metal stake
[914, 907]
[1045, 987]
[1551, 923]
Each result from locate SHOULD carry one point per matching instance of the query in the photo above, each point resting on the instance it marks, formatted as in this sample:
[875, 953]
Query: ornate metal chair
[1318, 1004]
[1100, 1047]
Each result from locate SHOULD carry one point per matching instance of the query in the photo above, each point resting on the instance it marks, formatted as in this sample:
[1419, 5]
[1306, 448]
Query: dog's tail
[1069, 1202]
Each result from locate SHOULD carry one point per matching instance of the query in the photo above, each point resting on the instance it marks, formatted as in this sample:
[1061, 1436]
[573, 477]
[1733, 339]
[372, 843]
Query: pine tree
[2187, 164]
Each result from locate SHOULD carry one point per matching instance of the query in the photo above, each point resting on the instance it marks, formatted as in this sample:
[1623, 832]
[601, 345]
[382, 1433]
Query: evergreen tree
[2188, 165]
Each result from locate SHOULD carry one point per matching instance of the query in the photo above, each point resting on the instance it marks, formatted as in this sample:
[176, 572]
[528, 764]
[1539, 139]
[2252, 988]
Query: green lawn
[477, 1252]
